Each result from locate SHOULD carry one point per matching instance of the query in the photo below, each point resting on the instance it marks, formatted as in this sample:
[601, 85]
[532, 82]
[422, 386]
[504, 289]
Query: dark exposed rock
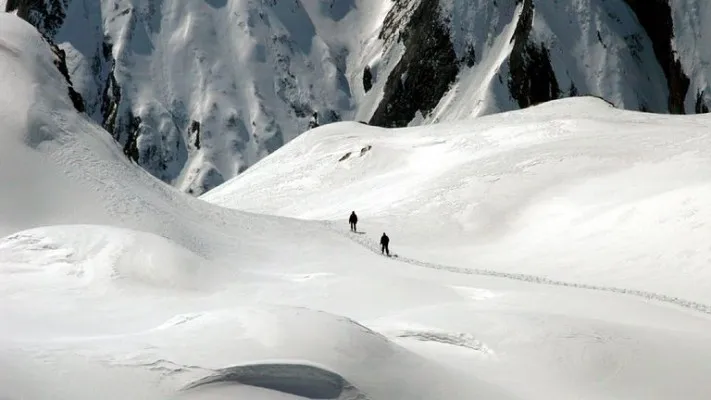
[60, 62]
[195, 131]
[611, 104]
[426, 70]
[330, 117]
[45, 15]
[367, 79]
[130, 149]
[599, 39]
[469, 57]
[655, 16]
[301, 109]
[345, 157]
[701, 107]
[106, 49]
[110, 100]
[531, 79]
[313, 122]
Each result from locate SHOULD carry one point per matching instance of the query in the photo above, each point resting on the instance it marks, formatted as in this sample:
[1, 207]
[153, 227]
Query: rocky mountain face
[196, 91]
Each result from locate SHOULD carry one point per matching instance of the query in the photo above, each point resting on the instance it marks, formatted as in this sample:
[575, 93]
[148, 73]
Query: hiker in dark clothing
[353, 220]
[384, 241]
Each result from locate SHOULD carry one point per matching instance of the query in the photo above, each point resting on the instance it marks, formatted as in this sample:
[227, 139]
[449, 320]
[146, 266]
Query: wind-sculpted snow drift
[115, 285]
[567, 184]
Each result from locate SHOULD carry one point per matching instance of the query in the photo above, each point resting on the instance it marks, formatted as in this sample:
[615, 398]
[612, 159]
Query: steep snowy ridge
[197, 91]
[690, 23]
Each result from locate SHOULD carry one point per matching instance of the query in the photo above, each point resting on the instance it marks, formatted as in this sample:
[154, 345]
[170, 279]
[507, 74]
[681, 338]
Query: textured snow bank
[113, 284]
[583, 192]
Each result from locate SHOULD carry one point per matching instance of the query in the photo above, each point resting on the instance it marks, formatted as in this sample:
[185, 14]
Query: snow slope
[196, 92]
[595, 48]
[583, 192]
[115, 285]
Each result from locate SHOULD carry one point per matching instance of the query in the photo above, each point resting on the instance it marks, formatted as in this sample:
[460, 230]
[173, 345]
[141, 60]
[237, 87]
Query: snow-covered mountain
[197, 91]
[553, 253]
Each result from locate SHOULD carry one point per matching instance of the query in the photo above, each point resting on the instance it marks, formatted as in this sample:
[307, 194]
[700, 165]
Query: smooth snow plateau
[115, 286]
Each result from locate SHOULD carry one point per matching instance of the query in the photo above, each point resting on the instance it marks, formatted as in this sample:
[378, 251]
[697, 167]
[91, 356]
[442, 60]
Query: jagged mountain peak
[197, 91]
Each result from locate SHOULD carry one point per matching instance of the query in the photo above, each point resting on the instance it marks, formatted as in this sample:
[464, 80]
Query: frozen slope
[197, 91]
[114, 285]
[573, 190]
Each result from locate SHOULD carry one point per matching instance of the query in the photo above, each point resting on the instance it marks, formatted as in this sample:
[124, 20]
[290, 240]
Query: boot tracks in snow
[369, 244]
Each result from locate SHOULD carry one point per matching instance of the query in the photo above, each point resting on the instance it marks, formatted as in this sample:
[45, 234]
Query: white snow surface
[252, 72]
[114, 285]
[572, 190]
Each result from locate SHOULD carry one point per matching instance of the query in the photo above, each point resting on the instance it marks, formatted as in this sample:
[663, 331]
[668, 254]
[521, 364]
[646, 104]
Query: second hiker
[384, 241]
[353, 220]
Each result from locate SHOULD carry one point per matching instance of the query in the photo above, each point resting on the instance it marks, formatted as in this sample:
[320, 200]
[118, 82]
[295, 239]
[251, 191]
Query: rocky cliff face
[427, 68]
[46, 15]
[196, 92]
[531, 76]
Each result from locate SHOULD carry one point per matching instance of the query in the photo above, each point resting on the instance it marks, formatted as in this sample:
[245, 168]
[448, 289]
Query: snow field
[571, 191]
[115, 285]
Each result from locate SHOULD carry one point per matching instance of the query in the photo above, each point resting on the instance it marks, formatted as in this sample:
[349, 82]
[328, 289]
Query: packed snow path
[374, 246]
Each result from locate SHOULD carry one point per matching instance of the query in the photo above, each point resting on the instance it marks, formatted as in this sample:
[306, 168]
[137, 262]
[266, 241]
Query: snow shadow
[295, 379]
[338, 10]
[296, 22]
[216, 3]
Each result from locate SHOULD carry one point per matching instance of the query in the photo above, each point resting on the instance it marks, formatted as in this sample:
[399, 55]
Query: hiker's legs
[387, 250]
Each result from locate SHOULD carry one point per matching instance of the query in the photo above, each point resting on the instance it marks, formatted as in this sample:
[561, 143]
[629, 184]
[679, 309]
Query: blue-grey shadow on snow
[337, 9]
[295, 379]
[297, 23]
[216, 3]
